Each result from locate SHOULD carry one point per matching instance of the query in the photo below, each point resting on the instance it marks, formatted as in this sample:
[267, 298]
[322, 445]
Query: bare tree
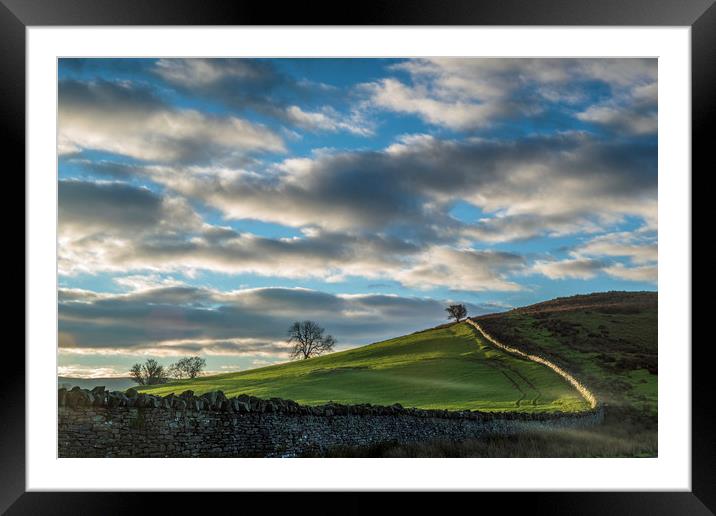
[137, 373]
[188, 367]
[309, 340]
[148, 373]
[456, 312]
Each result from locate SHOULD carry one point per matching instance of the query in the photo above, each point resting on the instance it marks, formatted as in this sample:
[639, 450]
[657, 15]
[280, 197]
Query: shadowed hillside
[604, 302]
[608, 340]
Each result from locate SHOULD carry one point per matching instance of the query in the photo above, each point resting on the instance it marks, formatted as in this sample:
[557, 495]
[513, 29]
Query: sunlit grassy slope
[448, 368]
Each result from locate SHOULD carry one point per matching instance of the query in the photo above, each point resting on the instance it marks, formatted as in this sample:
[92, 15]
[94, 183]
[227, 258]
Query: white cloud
[620, 116]
[328, 119]
[128, 120]
[82, 371]
[647, 273]
[577, 268]
[197, 72]
[394, 95]
[636, 246]
[139, 282]
[468, 93]
[461, 269]
[597, 255]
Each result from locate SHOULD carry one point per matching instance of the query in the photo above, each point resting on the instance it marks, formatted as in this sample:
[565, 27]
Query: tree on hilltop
[309, 340]
[148, 373]
[457, 312]
[189, 367]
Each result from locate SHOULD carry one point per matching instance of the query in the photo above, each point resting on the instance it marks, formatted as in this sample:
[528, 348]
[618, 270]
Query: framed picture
[385, 250]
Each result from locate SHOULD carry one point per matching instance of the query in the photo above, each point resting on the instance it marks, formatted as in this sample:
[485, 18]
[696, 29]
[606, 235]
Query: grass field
[447, 368]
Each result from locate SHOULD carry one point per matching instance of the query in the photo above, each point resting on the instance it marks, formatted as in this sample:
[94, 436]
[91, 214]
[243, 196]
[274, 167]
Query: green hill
[448, 367]
[609, 342]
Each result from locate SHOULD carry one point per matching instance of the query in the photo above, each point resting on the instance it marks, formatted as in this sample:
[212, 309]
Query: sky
[206, 204]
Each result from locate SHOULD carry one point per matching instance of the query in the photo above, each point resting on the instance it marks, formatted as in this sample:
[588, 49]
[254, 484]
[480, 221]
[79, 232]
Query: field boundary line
[588, 396]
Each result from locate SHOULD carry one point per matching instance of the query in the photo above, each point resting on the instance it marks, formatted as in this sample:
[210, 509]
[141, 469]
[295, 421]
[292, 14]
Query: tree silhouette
[456, 312]
[309, 340]
[188, 367]
[149, 373]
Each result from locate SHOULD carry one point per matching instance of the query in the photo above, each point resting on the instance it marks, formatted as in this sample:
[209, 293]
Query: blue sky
[205, 204]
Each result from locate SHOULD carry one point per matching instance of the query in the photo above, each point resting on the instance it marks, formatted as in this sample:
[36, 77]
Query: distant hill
[112, 384]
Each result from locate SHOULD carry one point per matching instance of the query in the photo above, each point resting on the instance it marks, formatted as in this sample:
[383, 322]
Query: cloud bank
[179, 320]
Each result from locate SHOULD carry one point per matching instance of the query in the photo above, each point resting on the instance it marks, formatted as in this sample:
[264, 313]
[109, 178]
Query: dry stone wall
[588, 396]
[99, 423]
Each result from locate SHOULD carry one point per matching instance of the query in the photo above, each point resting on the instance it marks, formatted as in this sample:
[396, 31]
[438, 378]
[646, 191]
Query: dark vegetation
[153, 373]
[608, 441]
[148, 373]
[188, 367]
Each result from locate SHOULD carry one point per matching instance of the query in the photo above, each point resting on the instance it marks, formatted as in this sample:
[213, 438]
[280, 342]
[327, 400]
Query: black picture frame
[17, 15]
